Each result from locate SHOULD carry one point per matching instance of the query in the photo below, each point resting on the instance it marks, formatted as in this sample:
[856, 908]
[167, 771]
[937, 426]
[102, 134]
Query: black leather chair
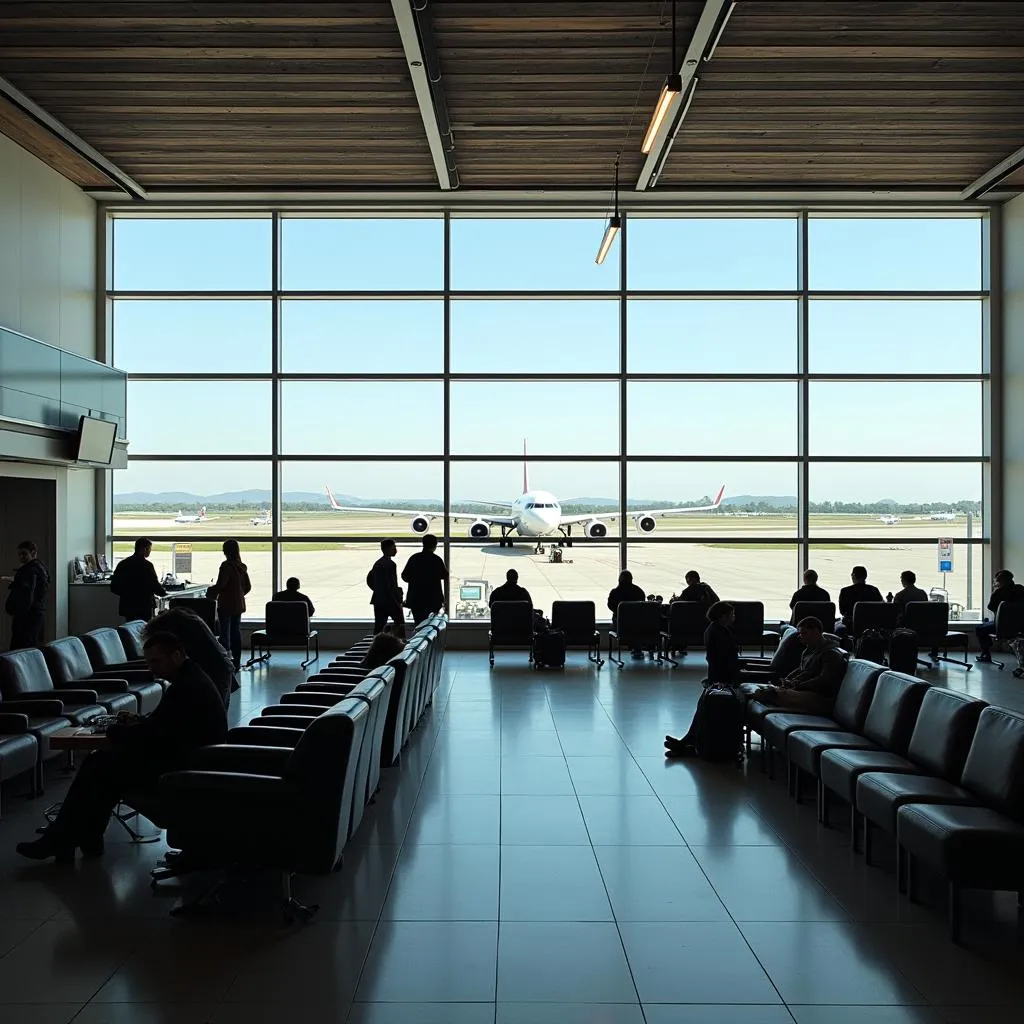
[637, 628]
[824, 611]
[683, 627]
[974, 847]
[749, 626]
[1009, 626]
[27, 689]
[19, 749]
[69, 666]
[132, 635]
[287, 627]
[888, 725]
[108, 658]
[938, 746]
[294, 822]
[204, 607]
[996, 747]
[930, 620]
[511, 627]
[848, 712]
[874, 615]
[578, 622]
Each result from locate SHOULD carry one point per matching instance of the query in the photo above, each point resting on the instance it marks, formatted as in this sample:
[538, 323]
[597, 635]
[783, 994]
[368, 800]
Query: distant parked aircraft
[200, 517]
[889, 520]
[943, 517]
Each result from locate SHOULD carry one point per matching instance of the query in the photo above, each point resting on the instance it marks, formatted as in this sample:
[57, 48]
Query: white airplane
[889, 520]
[534, 514]
[262, 518]
[943, 517]
[200, 517]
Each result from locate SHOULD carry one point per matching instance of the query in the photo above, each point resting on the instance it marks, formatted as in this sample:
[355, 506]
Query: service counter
[92, 605]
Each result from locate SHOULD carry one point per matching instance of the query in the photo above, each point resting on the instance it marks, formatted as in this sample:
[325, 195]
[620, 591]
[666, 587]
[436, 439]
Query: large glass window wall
[747, 396]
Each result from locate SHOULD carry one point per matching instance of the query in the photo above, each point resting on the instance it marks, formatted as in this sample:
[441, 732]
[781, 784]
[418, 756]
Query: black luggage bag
[903, 646]
[872, 645]
[549, 649]
[717, 729]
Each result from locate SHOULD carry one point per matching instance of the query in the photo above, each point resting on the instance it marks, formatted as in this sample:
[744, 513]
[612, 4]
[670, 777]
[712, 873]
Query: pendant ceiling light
[669, 91]
[614, 223]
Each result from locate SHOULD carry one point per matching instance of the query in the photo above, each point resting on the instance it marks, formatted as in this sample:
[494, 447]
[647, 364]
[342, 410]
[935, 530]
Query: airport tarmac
[333, 571]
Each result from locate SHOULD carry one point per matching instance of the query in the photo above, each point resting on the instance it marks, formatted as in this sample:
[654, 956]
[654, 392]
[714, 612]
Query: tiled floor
[534, 861]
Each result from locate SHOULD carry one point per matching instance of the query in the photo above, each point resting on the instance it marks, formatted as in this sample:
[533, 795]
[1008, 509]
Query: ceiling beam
[425, 71]
[71, 140]
[992, 177]
[706, 33]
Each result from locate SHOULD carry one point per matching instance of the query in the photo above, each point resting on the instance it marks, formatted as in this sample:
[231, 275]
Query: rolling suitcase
[549, 649]
[717, 727]
[903, 651]
[871, 646]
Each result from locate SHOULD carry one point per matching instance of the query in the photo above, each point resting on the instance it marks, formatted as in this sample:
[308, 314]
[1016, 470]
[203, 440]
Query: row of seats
[287, 791]
[63, 683]
[513, 627]
[940, 770]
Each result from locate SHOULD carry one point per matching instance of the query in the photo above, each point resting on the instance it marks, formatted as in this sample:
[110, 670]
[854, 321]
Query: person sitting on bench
[1005, 590]
[626, 590]
[383, 647]
[858, 590]
[291, 592]
[190, 715]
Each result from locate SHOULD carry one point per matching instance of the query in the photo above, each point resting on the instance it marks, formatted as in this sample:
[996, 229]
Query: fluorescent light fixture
[669, 91]
[614, 224]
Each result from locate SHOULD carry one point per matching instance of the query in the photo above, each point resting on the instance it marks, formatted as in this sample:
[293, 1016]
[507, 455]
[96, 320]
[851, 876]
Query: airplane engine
[420, 524]
[480, 530]
[595, 528]
[646, 524]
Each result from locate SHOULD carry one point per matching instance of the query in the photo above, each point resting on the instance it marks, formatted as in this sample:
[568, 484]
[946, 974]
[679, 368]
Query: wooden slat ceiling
[542, 94]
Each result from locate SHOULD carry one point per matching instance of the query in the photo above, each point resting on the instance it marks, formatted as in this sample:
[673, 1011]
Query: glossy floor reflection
[533, 861]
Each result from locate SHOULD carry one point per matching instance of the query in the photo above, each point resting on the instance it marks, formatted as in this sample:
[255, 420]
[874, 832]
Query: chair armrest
[306, 710]
[127, 673]
[227, 757]
[104, 684]
[78, 696]
[318, 686]
[310, 698]
[12, 724]
[33, 704]
[264, 735]
[226, 785]
[288, 723]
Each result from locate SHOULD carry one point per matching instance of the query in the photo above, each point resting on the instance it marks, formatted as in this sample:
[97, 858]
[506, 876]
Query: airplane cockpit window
[530, 505]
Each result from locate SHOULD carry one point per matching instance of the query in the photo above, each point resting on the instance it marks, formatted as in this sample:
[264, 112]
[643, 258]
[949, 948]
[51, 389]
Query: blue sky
[502, 335]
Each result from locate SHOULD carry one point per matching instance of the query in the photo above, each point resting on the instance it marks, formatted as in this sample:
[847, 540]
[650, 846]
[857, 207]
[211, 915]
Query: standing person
[858, 590]
[136, 584]
[141, 749]
[26, 599]
[386, 596]
[230, 589]
[291, 592]
[1004, 589]
[426, 574]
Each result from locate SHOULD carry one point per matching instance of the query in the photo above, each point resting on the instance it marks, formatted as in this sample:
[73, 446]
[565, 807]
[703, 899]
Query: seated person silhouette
[1004, 590]
[859, 590]
[626, 590]
[810, 591]
[695, 590]
[510, 590]
[291, 592]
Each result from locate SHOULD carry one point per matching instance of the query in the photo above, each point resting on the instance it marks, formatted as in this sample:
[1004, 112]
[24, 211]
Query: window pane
[182, 336]
[713, 253]
[907, 336]
[739, 572]
[895, 500]
[895, 418]
[416, 487]
[197, 255]
[585, 489]
[157, 498]
[322, 336]
[206, 558]
[333, 575]
[355, 254]
[711, 336]
[530, 255]
[966, 591]
[365, 417]
[182, 417]
[550, 417]
[894, 254]
[587, 573]
[759, 499]
[712, 418]
[519, 336]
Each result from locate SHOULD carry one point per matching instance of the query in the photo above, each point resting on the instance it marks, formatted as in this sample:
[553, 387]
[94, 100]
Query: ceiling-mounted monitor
[95, 441]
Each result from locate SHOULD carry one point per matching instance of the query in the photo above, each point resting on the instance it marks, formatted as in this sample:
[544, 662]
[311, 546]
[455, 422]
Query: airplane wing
[587, 517]
[454, 516]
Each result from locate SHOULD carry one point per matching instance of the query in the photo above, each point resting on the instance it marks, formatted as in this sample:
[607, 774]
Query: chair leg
[823, 804]
[909, 876]
[854, 827]
[954, 912]
[293, 909]
[866, 834]
[797, 795]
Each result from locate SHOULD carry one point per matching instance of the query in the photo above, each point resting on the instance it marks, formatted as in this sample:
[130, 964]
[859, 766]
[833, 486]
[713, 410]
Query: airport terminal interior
[726, 287]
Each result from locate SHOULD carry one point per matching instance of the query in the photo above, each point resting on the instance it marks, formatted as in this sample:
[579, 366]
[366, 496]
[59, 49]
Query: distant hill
[254, 497]
[775, 500]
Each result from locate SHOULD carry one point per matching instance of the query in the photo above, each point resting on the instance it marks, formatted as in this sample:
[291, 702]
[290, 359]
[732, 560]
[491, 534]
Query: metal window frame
[803, 539]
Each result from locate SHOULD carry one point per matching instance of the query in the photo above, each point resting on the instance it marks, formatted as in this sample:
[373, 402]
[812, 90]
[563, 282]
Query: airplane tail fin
[526, 471]
[330, 497]
[718, 496]
[202, 512]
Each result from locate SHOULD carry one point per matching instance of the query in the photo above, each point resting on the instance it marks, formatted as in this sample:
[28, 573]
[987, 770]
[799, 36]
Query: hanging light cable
[614, 223]
[669, 91]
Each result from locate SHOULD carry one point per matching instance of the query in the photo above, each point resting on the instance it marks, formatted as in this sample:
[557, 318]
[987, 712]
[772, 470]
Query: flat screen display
[95, 440]
[470, 594]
